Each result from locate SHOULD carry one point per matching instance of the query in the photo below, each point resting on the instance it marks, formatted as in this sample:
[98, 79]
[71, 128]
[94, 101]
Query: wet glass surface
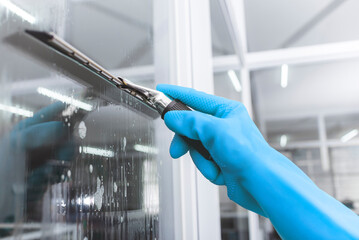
[78, 160]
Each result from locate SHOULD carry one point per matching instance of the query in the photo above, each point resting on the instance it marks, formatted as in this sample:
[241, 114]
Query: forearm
[297, 208]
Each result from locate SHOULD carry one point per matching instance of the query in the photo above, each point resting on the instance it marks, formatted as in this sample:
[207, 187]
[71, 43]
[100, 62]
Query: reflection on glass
[227, 84]
[343, 127]
[18, 11]
[75, 163]
[16, 110]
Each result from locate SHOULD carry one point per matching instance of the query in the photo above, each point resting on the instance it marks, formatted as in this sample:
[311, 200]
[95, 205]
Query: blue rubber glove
[39, 130]
[257, 176]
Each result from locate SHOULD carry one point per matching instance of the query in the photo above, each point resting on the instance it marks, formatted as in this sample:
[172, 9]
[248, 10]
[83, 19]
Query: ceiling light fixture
[145, 149]
[18, 11]
[284, 78]
[63, 98]
[97, 151]
[283, 140]
[350, 135]
[235, 81]
[16, 110]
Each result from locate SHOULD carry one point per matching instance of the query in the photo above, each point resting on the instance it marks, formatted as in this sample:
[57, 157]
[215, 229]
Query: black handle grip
[178, 105]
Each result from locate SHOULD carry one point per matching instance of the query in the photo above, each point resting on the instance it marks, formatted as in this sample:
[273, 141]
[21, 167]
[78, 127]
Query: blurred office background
[303, 70]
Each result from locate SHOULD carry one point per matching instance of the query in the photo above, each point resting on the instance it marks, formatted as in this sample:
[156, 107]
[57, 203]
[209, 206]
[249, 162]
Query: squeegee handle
[196, 144]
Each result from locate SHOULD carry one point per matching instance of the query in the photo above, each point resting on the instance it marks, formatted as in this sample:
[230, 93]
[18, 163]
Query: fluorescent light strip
[235, 81]
[64, 98]
[97, 151]
[18, 11]
[283, 140]
[284, 79]
[145, 149]
[350, 135]
[16, 110]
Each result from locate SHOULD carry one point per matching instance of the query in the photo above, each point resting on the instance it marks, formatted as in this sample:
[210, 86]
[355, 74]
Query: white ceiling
[311, 89]
[271, 23]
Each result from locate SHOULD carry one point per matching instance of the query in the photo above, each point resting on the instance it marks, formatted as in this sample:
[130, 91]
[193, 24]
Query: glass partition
[281, 132]
[227, 84]
[78, 157]
[343, 127]
[221, 40]
[346, 175]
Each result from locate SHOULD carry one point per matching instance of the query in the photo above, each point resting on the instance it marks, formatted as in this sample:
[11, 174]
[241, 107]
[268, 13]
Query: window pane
[228, 84]
[221, 40]
[346, 171]
[280, 133]
[78, 158]
[343, 127]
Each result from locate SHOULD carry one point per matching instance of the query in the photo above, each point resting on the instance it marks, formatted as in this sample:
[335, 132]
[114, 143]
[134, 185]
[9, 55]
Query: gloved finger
[220, 179]
[37, 182]
[199, 101]
[191, 124]
[44, 115]
[66, 151]
[41, 135]
[179, 147]
[208, 168]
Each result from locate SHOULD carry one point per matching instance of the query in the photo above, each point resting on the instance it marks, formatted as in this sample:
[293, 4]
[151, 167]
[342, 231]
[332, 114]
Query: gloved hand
[257, 177]
[39, 130]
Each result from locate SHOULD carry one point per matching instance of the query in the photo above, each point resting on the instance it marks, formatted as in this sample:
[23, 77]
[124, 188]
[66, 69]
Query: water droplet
[115, 188]
[124, 144]
[99, 194]
[82, 130]
[69, 173]
[69, 124]
[62, 177]
[90, 168]
[80, 149]
[61, 207]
